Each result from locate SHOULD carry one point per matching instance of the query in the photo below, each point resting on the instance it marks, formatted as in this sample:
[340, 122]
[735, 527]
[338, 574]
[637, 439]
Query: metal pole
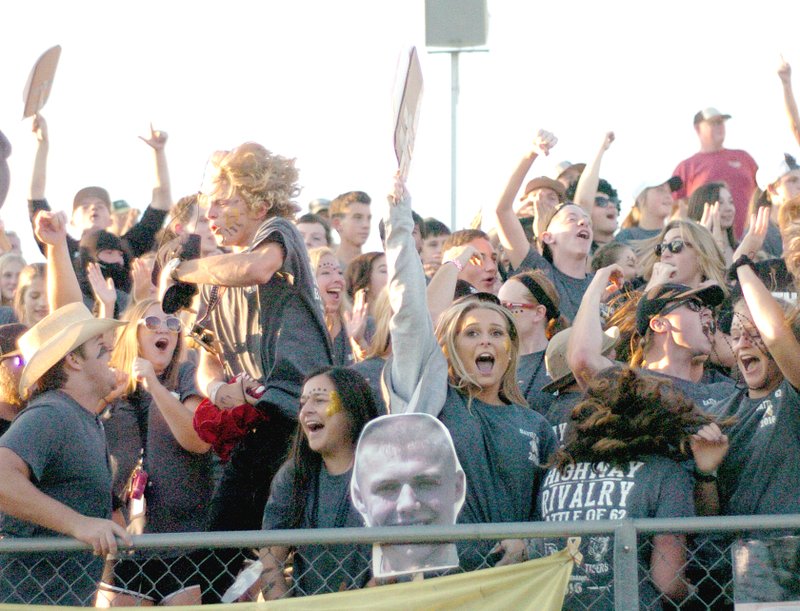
[626, 567]
[453, 123]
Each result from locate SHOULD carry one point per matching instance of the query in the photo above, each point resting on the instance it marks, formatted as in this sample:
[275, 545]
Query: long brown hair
[628, 414]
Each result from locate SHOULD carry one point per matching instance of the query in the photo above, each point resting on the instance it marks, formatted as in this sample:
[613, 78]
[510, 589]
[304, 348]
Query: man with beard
[55, 476]
[11, 364]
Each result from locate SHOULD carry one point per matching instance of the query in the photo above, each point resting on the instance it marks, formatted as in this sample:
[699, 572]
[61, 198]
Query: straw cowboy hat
[54, 337]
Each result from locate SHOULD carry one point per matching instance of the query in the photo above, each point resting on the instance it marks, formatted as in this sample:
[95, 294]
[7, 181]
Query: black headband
[540, 296]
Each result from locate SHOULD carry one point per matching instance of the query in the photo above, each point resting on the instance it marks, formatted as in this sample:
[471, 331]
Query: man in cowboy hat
[55, 476]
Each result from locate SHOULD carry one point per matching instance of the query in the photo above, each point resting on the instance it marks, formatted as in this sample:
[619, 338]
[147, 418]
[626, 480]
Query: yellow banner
[537, 585]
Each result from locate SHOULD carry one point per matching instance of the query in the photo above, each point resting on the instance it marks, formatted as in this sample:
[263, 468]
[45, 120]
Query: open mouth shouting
[485, 363]
[162, 344]
[584, 234]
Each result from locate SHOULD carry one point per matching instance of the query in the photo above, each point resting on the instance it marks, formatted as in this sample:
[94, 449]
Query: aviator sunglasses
[675, 246]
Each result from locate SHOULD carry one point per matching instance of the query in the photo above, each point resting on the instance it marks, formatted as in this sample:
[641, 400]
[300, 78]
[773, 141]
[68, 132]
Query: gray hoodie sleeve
[415, 376]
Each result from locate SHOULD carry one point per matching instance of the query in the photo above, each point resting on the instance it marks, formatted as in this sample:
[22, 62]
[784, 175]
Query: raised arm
[39, 176]
[585, 347]
[50, 229]
[177, 414]
[772, 324]
[509, 229]
[785, 74]
[590, 177]
[162, 193]
[443, 284]
[417, 362]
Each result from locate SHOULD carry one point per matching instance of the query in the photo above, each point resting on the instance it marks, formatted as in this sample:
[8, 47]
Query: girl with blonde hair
[466, 376]
[149, 430]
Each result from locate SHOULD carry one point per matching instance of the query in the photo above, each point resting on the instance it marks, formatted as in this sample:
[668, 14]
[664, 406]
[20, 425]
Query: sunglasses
[519, 306]
[693, 304]
[675, 246]
[603, 202]
[154, 323]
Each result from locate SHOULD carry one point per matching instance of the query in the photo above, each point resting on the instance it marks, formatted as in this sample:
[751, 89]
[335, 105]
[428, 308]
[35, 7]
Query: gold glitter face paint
[335, 405]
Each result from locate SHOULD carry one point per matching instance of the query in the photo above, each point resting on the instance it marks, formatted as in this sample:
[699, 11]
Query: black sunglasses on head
[692, 303]
[675, 246]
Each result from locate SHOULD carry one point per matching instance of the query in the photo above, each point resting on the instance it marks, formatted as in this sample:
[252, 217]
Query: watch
[172, 269]
[702, 476]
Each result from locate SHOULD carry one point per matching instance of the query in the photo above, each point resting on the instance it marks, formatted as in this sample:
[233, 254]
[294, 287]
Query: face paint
[335, 405]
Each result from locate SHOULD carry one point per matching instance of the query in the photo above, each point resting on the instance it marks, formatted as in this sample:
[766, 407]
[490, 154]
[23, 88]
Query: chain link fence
[625, 564]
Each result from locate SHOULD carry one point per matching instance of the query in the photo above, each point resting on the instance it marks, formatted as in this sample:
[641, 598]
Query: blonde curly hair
[265, 181]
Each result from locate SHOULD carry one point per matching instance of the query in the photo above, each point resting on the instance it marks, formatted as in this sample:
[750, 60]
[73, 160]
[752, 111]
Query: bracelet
[212, 389]
[459, 265]
[702, 476]
[742, 260]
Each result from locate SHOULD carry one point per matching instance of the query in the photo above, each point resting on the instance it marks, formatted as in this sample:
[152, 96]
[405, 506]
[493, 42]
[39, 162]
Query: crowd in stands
[209, 363]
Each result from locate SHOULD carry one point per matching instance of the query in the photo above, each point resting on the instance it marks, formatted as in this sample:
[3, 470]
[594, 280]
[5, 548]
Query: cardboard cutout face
[407, 473]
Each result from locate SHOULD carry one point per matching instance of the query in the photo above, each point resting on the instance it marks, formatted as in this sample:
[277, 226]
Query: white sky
[313, 79]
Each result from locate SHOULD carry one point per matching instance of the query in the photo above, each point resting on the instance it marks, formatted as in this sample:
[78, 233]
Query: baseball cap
[675, 183]
[771, 174]
[543, 182]
[563, 166]
[707, 114]
[555, 357]
[653, 302]
[315, 205]
[98, 192]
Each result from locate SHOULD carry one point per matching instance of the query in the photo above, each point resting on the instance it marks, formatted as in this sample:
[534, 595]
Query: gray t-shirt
[560, 412]
[180, 482]
[760, 473]
[531, 376]
[707, 394]
[650, 487]
[275, 331]
[502, 450]
[569, 289]
[320, 568]
[64, 446]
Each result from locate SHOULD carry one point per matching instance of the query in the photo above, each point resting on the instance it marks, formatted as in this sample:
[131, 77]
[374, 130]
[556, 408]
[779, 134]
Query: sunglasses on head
[675, 246]
[601, 201]
[154, 323]
[692, 303]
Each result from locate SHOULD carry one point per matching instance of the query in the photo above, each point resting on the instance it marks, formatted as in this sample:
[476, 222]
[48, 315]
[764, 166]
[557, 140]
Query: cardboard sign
[40, 81]
[408, 95]
[407, 472]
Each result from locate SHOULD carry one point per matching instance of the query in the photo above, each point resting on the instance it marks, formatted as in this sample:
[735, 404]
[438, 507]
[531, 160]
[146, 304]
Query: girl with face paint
[311, 489]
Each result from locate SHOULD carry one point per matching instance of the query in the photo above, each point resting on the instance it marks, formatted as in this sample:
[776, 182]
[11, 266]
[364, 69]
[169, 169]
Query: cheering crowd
[209, 364]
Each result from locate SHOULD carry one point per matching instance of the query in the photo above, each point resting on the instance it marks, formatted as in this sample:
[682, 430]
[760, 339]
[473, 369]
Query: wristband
[459, 265]
[743, 260]
[702, 476]
[212, 389]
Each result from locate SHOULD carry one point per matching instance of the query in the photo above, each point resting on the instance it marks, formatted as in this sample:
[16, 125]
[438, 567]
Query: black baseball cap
[653, 302]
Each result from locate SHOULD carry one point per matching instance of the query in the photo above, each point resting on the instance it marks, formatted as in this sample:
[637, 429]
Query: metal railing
[630, 540]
